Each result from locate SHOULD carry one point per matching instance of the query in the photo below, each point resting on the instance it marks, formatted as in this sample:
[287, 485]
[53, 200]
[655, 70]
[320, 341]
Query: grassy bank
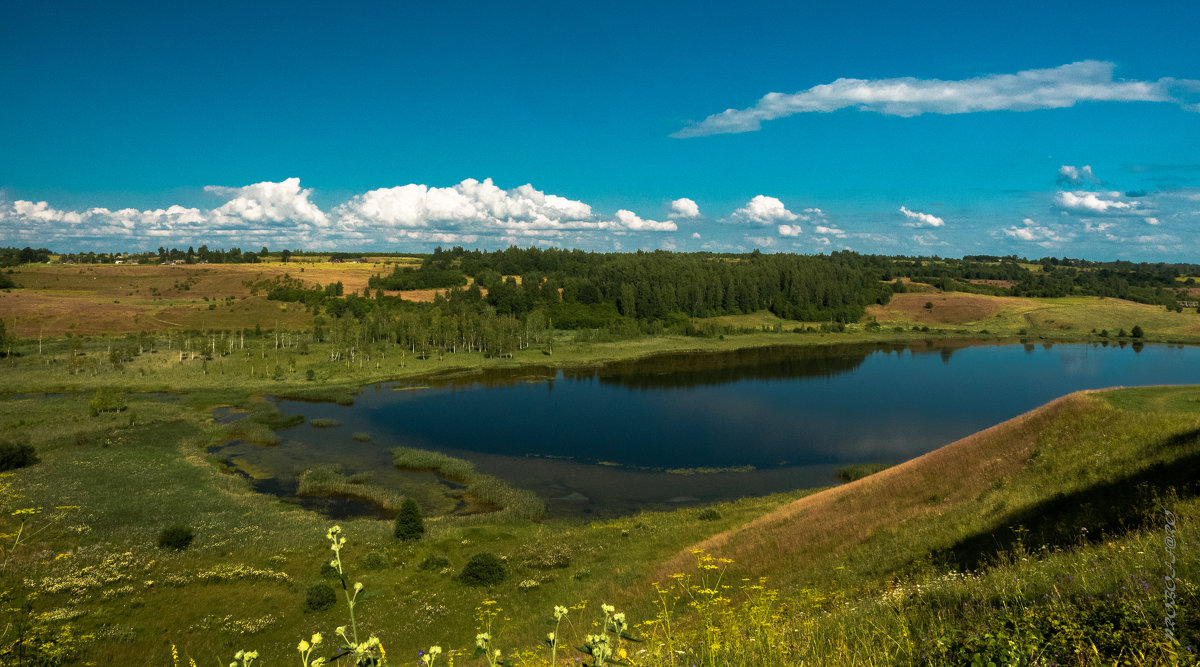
[1042, 535]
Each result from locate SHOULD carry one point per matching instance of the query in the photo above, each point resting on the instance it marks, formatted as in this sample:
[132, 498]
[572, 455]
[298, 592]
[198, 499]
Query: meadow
[1039, 541]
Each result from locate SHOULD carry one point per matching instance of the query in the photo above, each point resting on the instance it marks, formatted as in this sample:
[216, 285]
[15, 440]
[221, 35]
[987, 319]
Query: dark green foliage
[431, 275]
[409, 525]
[484, 569]
[319, 597]
[709, 514]
[329, 572]
[15, 455]
[106, 401]
[1137, 331]
[14, 257]
[434, 563]
[175, 537]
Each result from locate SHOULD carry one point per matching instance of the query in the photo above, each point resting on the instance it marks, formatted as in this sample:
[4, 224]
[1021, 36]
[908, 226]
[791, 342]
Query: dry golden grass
[948, 308]
[837, 520]
[105, 298]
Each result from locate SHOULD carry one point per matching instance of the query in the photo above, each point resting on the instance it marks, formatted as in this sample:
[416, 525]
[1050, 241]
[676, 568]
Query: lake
[600, 441]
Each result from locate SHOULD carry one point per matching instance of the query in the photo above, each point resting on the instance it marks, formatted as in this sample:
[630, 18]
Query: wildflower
[303, 646]
[607, 608]
[358, 586]
[559, 612]
[316, 638]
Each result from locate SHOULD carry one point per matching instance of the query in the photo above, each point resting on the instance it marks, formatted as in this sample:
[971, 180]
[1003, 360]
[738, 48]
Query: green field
[976, 549]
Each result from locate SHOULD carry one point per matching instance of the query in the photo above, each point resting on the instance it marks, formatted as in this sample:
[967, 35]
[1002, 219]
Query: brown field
[105, 298]
[948, 308]
[840, 518]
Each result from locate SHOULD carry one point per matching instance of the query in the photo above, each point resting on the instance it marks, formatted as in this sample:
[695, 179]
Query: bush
[15, 455]
[434, 563]
[175, 537]
[319, 597]
[709, 514]
[409, 525]
[484, 569]
[1136, 332]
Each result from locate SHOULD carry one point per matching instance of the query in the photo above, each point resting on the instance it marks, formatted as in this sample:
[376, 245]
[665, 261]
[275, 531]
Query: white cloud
[630, 220]
[789, 230]
[928, 239]
[1054, 88]
[684, 208]
[761, 241]
[43, 212]
[832, 231]
[921, 219]
[269, 202]
[1032, 232]
[1094, 203]
[763, 210]
[1151, 221]
[696, 235]
[470, 202]
[1069, 175]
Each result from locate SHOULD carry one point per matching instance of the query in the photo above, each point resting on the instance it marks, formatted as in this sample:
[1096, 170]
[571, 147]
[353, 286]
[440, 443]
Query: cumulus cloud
[763, 210]
[1032, 232]
[1095, 203]
[524, 208]
[269, 202]
[283, 214]
[790, 230]
[761, 241]
[43, 212]
[684, 208]
[921, 219]
[1069, 175]
[696, 235]
[630, 220]
[1053, 88]
[1151, 221]
[831, 231]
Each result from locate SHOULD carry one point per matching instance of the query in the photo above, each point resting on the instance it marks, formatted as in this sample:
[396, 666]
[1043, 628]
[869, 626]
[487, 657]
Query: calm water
[794, 414]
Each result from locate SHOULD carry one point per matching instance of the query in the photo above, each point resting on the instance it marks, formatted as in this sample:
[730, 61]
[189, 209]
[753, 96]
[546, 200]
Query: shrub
[709, 514]
[484, 569]
[319, 597]
[434, 563]
[15, 455]
[324, 422]
[375, 560]
[106, 401]
[175, 537]
[409, 525]
[1137, 331]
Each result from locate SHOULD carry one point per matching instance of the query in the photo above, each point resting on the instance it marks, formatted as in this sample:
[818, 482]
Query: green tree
[409, 524]
[1137, 331]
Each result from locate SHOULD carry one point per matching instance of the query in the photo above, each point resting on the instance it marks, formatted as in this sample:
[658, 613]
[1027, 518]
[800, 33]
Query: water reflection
[596, 439]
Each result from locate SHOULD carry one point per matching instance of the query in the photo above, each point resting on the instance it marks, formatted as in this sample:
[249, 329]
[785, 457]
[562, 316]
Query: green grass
[990, 544]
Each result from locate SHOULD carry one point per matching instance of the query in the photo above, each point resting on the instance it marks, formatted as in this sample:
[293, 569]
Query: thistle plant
[606, 651]
[369, 652]
[246, 658]
[431, 655]
[551, 639]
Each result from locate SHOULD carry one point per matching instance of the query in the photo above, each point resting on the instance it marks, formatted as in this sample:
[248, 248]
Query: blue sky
[909, 128]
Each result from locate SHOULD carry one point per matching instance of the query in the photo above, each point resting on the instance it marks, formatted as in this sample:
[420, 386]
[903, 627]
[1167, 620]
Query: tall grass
[489, 490]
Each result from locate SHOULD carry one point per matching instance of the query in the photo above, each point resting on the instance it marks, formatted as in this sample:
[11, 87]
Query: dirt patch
[947, 308]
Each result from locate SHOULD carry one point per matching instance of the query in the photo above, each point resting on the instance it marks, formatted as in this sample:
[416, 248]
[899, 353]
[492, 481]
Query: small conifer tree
[409, 525]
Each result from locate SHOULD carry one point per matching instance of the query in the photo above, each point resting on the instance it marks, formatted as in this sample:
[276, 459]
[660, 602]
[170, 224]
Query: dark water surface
[596, 440]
